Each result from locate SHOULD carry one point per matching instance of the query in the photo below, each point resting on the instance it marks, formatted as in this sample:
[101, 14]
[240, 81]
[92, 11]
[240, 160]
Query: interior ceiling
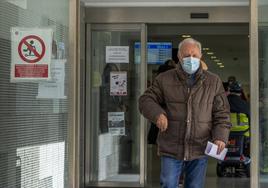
[161, 3]
[229, 43]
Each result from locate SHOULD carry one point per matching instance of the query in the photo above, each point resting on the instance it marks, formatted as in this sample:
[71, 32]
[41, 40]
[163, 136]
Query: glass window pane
[115, 83]
[34, 93]
[263, 77]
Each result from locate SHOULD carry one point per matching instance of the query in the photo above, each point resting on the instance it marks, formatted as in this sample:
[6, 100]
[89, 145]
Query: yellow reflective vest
[240, 122]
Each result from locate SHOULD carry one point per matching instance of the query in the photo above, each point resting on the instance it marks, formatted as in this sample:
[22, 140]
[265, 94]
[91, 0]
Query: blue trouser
[171, 169]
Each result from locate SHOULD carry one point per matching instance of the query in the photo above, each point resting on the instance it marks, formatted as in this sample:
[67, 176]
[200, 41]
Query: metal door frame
[254, 96]
[254, 93]
[88, 138]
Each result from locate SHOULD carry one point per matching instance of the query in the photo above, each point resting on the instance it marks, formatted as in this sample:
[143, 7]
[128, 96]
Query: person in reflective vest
[237, 104]
[240, 111]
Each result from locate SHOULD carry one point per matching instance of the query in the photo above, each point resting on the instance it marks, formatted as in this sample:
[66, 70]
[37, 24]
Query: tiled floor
[214, 182]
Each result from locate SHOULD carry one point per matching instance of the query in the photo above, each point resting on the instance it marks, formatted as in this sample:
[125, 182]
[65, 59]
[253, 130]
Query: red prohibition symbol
[32, 52]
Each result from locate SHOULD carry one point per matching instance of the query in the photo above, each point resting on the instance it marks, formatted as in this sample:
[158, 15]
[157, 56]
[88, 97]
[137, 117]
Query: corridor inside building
[225, 49]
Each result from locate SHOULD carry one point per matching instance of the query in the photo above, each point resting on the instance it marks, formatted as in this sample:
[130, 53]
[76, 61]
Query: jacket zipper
[186, 154]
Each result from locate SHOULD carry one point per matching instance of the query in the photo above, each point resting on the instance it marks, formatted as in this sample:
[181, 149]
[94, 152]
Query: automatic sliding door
[113, 121]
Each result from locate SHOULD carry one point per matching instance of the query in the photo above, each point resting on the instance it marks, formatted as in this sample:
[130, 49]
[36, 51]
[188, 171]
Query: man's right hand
[162, 122]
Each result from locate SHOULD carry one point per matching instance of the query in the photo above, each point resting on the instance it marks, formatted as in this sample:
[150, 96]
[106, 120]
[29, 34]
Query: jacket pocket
[171, 134]
[202, 131]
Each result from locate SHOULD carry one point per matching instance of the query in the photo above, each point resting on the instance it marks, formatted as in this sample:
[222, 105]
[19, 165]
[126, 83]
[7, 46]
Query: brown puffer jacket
[195, 114]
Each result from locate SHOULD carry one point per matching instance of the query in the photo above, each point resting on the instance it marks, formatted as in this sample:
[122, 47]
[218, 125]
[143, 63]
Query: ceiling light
[217, 60]
[210, 53]
[206, 49]
[219, 63]
[213, 57]
[186, 36]
[222, 66]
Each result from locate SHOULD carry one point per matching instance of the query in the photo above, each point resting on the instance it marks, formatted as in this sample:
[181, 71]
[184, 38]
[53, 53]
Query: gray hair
[190, 41]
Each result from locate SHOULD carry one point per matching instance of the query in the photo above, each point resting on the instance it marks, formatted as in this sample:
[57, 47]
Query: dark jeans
[171, 169]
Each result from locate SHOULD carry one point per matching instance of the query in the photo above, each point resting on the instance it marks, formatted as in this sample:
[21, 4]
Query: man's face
[189, 50]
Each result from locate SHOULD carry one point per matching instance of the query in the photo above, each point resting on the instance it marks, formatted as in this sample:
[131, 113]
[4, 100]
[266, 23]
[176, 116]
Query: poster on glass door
[116, 123]
[117, 54]
[118, 83]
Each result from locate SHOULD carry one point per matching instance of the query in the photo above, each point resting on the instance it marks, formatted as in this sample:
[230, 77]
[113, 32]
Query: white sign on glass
[30, 54]
[117, 54]
[116, 123]
[118, 83]
[54, 89]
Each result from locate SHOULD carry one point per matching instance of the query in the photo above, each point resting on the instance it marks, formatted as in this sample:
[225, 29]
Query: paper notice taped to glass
[211, 150]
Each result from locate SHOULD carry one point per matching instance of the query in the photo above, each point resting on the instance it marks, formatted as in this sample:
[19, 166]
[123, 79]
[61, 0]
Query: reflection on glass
[43, 165]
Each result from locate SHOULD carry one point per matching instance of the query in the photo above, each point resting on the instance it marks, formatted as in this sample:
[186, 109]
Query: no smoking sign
[31, 54]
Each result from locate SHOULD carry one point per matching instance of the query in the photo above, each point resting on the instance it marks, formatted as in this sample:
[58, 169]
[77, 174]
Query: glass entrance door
[113, 122]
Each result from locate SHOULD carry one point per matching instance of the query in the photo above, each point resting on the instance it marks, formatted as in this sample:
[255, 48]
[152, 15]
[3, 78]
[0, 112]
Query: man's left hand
[221, 145]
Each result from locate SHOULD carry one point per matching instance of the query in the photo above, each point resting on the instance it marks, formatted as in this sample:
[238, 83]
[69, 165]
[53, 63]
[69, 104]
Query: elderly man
[189, 106]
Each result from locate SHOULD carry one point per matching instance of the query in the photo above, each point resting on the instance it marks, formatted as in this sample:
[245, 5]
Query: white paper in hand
[211, 150]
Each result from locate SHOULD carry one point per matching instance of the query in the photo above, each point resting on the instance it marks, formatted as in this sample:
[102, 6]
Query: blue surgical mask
[190, 64]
